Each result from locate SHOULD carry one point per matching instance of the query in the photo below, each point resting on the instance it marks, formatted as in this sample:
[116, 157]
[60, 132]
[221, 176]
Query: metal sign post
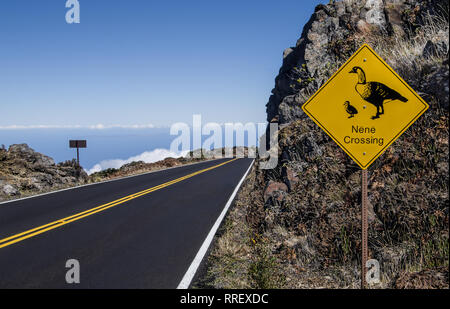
[364, 228]
[364, 107]
[78, 144]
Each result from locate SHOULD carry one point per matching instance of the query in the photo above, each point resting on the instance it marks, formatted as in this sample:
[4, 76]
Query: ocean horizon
[106, 148]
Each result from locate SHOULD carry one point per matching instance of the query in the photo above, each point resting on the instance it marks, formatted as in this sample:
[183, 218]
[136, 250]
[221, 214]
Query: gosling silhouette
[374, 92]
[350, 109]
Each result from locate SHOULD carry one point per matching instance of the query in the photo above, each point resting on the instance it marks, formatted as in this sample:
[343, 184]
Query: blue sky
[141, 61]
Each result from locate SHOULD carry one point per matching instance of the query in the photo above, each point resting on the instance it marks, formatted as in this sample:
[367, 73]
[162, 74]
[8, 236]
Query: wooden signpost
[78, 144]
[364, 107]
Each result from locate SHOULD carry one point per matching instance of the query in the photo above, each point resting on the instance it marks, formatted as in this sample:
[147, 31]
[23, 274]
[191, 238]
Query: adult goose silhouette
[374, 92]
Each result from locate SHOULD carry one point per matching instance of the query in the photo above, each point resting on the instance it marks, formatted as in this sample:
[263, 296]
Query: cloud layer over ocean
[147, 157]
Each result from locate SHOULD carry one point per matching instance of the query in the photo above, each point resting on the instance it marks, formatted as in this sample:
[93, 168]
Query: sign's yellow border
[305, 107]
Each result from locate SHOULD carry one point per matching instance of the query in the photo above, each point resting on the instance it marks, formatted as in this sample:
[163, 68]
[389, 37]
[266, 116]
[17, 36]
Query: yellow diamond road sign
[365, 106]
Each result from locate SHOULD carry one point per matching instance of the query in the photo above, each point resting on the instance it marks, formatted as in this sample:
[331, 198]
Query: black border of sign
[426, 106]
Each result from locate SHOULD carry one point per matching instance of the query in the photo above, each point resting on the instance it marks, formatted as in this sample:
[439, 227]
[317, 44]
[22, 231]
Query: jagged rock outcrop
[300, 221]
[24, 171]
[332, 34]
[408, 185]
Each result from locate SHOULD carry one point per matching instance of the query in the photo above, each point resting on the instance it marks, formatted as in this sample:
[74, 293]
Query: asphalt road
[147, 240]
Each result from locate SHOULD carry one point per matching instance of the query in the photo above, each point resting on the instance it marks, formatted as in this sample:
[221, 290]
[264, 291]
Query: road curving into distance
[137, 232]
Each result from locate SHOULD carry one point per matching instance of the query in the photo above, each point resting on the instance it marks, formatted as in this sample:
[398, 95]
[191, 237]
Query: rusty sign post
[78, 144]
[364, 227]
[364, 107]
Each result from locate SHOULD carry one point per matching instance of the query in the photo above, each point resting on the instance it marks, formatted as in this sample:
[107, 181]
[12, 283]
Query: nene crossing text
[363, 139]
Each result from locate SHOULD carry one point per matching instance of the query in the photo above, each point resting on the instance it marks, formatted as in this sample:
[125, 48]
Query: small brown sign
[77, 144]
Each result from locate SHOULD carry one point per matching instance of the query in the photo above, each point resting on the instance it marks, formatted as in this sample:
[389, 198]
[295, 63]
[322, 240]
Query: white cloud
[121, 126]
[147, 157]
[92, 127]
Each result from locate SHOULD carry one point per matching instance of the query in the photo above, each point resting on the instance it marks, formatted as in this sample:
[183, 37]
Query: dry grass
[241, 257]
[229, 260]
[404, 53]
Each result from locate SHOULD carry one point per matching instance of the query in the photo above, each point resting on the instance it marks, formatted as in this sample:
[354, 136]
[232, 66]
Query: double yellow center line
[55, 224]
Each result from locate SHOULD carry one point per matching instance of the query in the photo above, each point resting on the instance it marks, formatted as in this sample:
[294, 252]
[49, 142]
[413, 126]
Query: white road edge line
[190, 273]
[104, 181]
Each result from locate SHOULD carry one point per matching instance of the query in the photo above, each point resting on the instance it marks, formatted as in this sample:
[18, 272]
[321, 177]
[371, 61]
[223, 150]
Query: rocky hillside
[24, 172]
[298, 225]
[139, 167]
